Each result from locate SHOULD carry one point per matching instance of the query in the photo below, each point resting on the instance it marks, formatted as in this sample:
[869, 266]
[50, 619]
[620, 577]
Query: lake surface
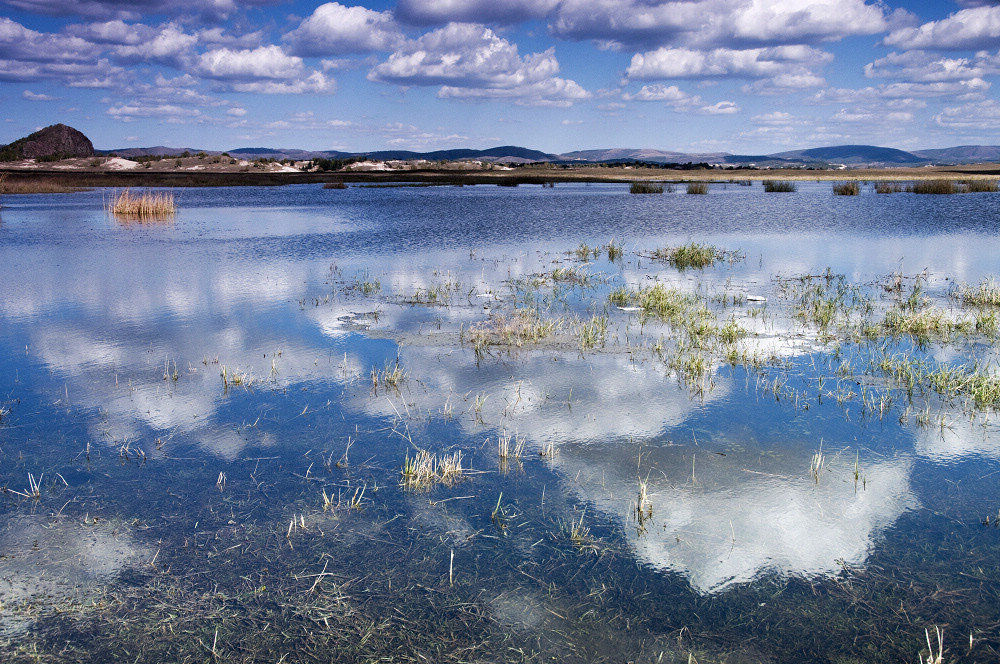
[204, 424]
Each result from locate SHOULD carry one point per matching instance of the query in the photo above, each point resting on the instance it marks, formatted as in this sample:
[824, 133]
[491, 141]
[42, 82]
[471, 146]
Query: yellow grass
[142, 205]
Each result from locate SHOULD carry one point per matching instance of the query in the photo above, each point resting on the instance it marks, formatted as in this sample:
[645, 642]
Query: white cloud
[924, 67]
[976, 27]
[265, 69]
[671, 63]
[334, 29]
[725, 23]
[36, 96]
[471, 61]
[981, 115]
[429, 12]
[169, 112]
[168, 45]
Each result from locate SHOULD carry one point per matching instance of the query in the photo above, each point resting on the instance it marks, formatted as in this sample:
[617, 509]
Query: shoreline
[537, 176]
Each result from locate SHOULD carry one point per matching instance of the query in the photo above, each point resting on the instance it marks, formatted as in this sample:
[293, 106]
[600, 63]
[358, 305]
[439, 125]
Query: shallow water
[180, 514]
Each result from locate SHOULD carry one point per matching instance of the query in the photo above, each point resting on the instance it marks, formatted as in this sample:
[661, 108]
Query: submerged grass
[852, 188]
[987, 293]
[692, 255]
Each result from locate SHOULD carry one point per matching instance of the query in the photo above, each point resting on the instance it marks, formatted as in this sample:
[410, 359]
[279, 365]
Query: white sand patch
[119, 164]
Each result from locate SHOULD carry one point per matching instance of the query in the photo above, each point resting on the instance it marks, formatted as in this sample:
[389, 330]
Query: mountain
[641, 154]
[962, 154]
[852, 154]
[53, 142]
[158, 150]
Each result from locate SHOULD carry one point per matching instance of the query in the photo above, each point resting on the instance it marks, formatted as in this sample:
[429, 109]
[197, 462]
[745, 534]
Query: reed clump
[986, 294]
[934, 187]
[888, 187]
[142, 205]
[645, 188]
[518, 328]
[691, 255]
[779, 186]
[427, 469]
[847, 188]
[980, 186]
[697, 188]
[335, 185]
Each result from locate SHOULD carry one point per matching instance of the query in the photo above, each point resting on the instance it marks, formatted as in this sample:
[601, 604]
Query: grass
[851, 188]
[593, 332]
[888, 187]
[987, 293]
[645, 188]
[778, 186]
[427, 469]
[934, 187]
[569, 275]
[697, 188]
[519, 328]
[335, 185]
[143, 205]
[389, 377]
[508, 448]
[980, 186]
[615, 251]
[691, 255]
[33, 187]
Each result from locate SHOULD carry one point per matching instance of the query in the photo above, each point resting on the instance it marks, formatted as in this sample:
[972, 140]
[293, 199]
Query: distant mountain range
[849, 155]
[60, 140]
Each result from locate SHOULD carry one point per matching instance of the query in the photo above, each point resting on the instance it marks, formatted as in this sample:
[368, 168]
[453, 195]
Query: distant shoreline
[535, 175]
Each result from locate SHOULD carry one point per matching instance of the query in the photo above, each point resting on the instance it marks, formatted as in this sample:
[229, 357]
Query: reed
[142, 205]
[851, 188]
[427, 469]
[645, 188]
[335, 185]
[888, 187]
[697, 188]
[934, 187]
[778, 186]
[980, 186]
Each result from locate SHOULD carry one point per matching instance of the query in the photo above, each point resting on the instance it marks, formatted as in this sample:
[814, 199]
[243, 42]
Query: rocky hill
[55, 142]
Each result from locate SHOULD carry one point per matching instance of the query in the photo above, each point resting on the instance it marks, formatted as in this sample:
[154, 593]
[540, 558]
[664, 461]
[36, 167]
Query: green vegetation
[692, 255]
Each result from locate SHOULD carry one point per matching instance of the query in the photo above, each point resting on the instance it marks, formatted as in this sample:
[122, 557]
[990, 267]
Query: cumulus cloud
[679, 100]
[724, 23]
[471, 61]
[132, 9]
[20, 43]
[669, 63]
[436, 12]
[265, 69]
[976, 116]
[334, 29]
[924, 67]
[976, 27]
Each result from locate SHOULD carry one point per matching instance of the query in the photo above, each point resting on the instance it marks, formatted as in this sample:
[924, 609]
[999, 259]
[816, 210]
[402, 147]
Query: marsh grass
[519, 328]
[390, 376]
[697, 188]
[888, 187]
[569, 275]
[335, 185]
[852, 188]
[985, 294]
[779, 186]
[934, 187]
[427, 469]
[645, 188]
[614, 251]
[980, 186]
[33, 187]
[593, 332]
[145, 205]
[692, 255]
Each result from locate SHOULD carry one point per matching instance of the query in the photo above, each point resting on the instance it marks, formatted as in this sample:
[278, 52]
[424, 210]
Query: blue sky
[746, 76]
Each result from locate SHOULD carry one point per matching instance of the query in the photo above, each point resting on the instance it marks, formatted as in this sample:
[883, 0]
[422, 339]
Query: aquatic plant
[645, 188]
[593, 332]
[852, 188]
[980, 186]
[934, 187]
[697, 188]
[339, 184]
[986, 293]
[518, 328]
[144, 205]
[888, 187]
[426, 469]
[691, 255]
[614, 251]
[778, 186]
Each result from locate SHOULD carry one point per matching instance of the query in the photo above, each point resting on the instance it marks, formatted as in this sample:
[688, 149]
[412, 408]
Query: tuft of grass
[593, 332]
[697, 188]
[143, 205]
[778, 186]
[645, 188]
[335, 185]
[987, 293]
[427, 469]
[888, 187]
[390, 376]
[615, 251]
[691, 255]
[978, 186]
[851, 188]
[934, 187]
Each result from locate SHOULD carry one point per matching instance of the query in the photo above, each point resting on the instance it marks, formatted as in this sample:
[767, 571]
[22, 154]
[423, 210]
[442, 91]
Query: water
[181, 515]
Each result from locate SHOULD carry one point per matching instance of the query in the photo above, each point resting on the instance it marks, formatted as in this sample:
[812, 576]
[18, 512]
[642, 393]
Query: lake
[492, 423]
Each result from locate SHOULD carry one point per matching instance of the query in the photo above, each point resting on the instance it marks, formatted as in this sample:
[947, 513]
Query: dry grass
[427, 469]
[143, 205]
[851, 188]
[33, 187]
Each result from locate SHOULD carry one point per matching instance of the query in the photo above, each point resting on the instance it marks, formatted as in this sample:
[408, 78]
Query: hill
[53, 142]
[851, 154]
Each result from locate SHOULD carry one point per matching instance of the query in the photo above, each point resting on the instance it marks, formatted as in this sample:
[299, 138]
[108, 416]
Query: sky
[743, 76]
